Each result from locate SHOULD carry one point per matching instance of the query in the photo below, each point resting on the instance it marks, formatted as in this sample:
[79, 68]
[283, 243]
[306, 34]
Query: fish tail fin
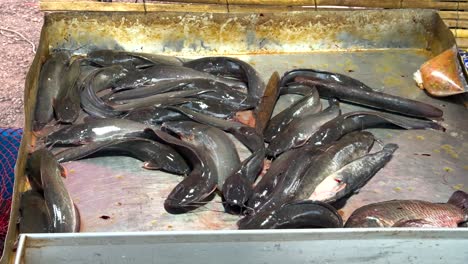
[460, 199]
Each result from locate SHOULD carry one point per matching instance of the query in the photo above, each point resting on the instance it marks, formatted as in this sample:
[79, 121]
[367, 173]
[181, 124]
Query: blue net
[10, 139]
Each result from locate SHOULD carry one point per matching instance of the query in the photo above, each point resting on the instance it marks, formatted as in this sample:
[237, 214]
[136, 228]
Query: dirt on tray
[16, 55]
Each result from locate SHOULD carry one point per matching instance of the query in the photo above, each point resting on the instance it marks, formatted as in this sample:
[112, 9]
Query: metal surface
[275, 246]
[380, 48]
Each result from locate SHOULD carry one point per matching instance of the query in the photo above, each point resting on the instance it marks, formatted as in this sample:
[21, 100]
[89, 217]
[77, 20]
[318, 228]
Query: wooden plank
[60, 5]
[435, 5]
[254, 2]
[266, 9]
[454, 14]
[361, 3]
[454, 23]
[163, 6]
[460, 33]
[462, 42]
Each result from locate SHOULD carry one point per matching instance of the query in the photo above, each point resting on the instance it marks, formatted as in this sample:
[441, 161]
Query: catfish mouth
[175, 206]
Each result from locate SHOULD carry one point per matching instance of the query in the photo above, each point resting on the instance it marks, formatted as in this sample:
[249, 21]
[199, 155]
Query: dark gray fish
[360, 120]
[158, 73]
[197, 187]
[297, 88]
[288, 165]
[308, 105]
[224, 94]
[383, 101]
[33, 170]
[246, 135]
[63, 214]
[156, 156]
[99, 80]
[50, 82]
[298, 214]
[93, 130]
[230, 67]
[211, 107]
[301, 129]
[34, 217]
[67, 103]
[148, 90]
[134, 59]
[154, 115]
[307, 165]
[412, 213]
[351, 147]
[324, 76]
[169, 98]
[213, 141]
[237, 187]
[353, 176]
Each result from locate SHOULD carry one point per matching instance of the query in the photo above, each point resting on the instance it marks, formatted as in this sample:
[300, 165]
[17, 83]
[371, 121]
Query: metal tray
[381, 48]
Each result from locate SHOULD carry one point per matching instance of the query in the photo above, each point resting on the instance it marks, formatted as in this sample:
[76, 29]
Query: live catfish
[175, 115]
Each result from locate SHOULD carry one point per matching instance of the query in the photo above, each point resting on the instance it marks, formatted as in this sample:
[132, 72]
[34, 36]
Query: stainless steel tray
[355, 246]
[381, 48]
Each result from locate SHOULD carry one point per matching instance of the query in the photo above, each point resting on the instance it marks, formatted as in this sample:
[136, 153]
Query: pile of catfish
[175, 116]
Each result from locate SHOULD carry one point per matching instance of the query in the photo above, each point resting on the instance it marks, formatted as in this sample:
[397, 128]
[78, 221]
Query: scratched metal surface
[381, 48]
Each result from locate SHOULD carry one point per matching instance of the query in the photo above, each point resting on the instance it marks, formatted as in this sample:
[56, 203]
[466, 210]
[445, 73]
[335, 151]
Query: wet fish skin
[360, 120]
[211, 107]
[301, 129]
[228, 66]
[64, 216]
[169, 98]
[298, 214]
[401, 213]
[239, 184]
[310, 104]
[383, 101]
[353, 176]
[50, 82]
[212, 140]
[246, 135]
[93, 130]
[237, 187]
[33, 170]
[34, 217]
[224, 94]
[156, 156]
[133, 59]
[194, 189]
[286, 165]
[67, 103]
[274, 190]
[158, 73]
[297, 88]
[99, 80]
[154, 115]
[323, 76]
[307, 166]
[351, 147]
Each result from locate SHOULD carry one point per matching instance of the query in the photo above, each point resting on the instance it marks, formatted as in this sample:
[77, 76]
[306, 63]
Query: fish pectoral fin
[414, 223]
